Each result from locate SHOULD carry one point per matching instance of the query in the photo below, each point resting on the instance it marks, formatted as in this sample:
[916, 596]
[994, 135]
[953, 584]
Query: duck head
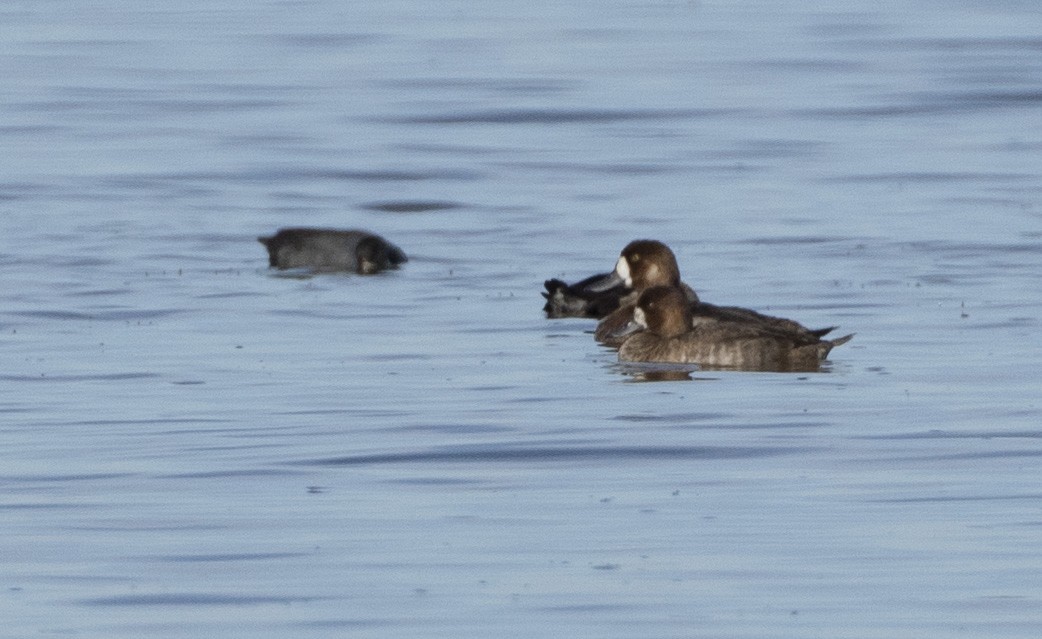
[374, 254]
[664, 311]
[641, 265]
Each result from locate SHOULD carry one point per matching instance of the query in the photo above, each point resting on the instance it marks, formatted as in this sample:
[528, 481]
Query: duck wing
[778, 326]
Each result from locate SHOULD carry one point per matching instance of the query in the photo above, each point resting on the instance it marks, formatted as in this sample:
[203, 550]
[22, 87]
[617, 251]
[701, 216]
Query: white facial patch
[622, 269]
[639, 319]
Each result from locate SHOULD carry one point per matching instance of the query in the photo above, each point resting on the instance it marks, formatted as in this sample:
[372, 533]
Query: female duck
[647, 263]
[667, 334]
[331, 250]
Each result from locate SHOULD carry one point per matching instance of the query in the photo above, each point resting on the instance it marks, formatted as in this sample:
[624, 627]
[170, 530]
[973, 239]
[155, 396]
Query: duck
[325, 250]
[598, 296]
[581, 300]
[663, 330]
[644, 264]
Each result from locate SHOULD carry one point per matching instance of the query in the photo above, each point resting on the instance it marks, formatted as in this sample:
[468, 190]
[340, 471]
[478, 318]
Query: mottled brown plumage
[647, 263]
[668, 334]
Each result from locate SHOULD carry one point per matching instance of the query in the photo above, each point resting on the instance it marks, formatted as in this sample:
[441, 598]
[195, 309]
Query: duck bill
[608, 282]
[630, 328]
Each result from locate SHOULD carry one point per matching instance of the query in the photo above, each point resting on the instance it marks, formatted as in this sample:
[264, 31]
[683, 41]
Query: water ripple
[228, 474]
[281, 174]
[117, 315]
[252, 556]
[64, 478]
[558, 116]
[329, 40]
[932, 499]
[110, 377]
[484, 454]
[412, 206]
[196, 599]
[973, 45]
[925, 177]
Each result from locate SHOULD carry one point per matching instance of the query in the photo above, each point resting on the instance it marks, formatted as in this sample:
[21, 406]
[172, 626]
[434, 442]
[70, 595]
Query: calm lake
[192, 445]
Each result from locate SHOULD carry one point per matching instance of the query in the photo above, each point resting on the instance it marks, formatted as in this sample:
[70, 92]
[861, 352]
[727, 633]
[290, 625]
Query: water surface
[194, 446]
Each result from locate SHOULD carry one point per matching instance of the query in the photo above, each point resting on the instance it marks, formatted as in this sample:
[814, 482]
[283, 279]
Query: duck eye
[635, 257]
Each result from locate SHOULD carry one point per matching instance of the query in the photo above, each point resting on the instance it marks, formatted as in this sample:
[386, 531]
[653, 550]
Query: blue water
[191, 445]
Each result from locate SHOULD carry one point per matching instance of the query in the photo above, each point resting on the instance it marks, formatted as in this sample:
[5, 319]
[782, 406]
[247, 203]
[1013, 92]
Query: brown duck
[647, 263]
[664, 331]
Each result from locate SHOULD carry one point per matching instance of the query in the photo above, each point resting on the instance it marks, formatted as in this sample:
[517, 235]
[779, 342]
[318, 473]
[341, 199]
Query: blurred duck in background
[326, 250]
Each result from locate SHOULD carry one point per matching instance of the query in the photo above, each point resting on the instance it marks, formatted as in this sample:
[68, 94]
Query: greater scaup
[647, 263]
[663, 330]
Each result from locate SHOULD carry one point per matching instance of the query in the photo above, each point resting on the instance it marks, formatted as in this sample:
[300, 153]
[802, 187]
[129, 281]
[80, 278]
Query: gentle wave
[196, 599]
[484, 454]
[558, 116]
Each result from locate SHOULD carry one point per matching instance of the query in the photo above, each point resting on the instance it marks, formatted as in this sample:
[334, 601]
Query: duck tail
[560, 302]
[552, 286]
[826, 346]
[822, 332]
[842, 340]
